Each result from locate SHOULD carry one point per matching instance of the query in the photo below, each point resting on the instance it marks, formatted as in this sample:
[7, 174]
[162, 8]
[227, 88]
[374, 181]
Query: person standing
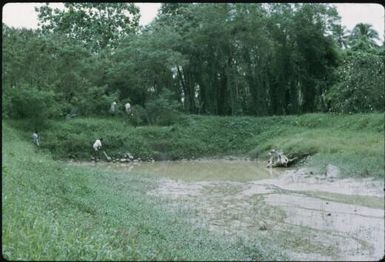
[35, 138]
[113, 108]
[127, 107]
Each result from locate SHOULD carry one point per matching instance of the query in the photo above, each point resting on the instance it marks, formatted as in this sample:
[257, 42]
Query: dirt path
[307, 217]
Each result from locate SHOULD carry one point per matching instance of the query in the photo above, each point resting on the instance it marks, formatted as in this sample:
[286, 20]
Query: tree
[360, 85]
[97, 25]
[363, 37]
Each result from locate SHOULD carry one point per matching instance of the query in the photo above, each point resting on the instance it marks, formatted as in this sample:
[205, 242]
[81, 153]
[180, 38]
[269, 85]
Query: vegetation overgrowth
[53, 211]
[198, 58]
[354, 143]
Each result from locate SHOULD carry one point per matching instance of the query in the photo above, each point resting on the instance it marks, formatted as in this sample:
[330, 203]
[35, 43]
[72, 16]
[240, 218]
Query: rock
[329, 214]
[332, 171]
[278, 159]
[123, 160]
[262, 226]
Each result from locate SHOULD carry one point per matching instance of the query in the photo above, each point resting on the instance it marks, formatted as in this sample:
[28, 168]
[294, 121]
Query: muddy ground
[303, 215]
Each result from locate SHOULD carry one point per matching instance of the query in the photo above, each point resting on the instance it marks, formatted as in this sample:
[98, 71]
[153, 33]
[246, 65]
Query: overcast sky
[24, 15]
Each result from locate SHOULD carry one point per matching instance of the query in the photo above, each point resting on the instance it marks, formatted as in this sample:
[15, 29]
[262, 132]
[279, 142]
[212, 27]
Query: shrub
[361, 84]
[29, 102]
[95, 101]
[162, 110]
[138, 115]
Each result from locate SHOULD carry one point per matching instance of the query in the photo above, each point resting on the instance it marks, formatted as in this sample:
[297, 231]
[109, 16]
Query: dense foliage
[216, 59]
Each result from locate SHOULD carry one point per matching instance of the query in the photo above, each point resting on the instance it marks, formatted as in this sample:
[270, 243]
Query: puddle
[307, 217]
[197, 170]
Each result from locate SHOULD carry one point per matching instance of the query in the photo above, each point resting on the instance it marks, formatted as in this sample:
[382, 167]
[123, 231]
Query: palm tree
[363, 37]
[341, 36]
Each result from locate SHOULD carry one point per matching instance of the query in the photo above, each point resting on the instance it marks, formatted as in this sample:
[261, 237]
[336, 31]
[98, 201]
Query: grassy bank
[355, 143]
[52, 211]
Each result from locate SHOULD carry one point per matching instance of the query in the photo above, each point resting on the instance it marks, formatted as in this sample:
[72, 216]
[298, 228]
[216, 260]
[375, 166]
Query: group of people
[98, 143]
[127, 107]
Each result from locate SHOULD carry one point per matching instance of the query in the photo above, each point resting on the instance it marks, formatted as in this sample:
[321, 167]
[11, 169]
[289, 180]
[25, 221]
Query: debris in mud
[279, 159]
[263, 227]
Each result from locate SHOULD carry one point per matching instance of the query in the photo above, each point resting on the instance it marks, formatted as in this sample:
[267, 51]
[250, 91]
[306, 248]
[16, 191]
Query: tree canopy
[201, 58]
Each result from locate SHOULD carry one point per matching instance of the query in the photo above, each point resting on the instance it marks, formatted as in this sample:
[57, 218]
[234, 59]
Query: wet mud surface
[303, 215]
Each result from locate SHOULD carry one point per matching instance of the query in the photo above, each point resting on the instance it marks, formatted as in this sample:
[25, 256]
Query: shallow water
[198, 170]
[306, 216]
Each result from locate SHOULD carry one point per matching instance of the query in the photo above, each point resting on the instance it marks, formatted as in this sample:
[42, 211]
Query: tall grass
[52, 211]
[354, 142]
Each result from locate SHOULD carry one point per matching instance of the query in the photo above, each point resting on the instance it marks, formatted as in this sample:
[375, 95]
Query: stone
[129, 155]
[332, 171]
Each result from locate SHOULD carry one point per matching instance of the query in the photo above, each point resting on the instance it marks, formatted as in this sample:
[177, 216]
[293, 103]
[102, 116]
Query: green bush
[361, 84]
[138, 115]
[162, 110]
[33, 104]
[94, 101]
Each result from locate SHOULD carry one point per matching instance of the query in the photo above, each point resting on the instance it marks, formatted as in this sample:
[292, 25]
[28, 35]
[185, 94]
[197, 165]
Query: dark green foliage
[215, 59]
[162, 110]
[360, 86]
[138, 116]
[31, 103]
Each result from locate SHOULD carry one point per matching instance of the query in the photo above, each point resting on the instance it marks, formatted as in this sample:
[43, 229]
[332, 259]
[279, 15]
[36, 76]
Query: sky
[24, 15]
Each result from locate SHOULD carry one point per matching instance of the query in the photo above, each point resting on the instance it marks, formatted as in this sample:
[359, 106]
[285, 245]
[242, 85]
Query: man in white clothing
[35, 138]
[97, 145]
[113, 108]
[127, 106]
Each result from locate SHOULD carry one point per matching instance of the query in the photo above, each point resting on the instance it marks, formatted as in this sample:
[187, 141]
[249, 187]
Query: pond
[198, 170]
[304, 215]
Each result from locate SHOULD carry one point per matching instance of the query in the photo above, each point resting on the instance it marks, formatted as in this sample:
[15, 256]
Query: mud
[303, 215]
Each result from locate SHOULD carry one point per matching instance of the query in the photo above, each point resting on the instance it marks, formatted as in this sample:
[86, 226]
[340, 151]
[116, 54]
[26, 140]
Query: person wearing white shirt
[35, 138]
[127, 106]
[113, 108]
[97, 146]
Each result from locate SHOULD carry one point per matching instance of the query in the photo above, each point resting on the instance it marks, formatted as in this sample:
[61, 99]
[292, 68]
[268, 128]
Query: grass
[355, 143]
[53, 211]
